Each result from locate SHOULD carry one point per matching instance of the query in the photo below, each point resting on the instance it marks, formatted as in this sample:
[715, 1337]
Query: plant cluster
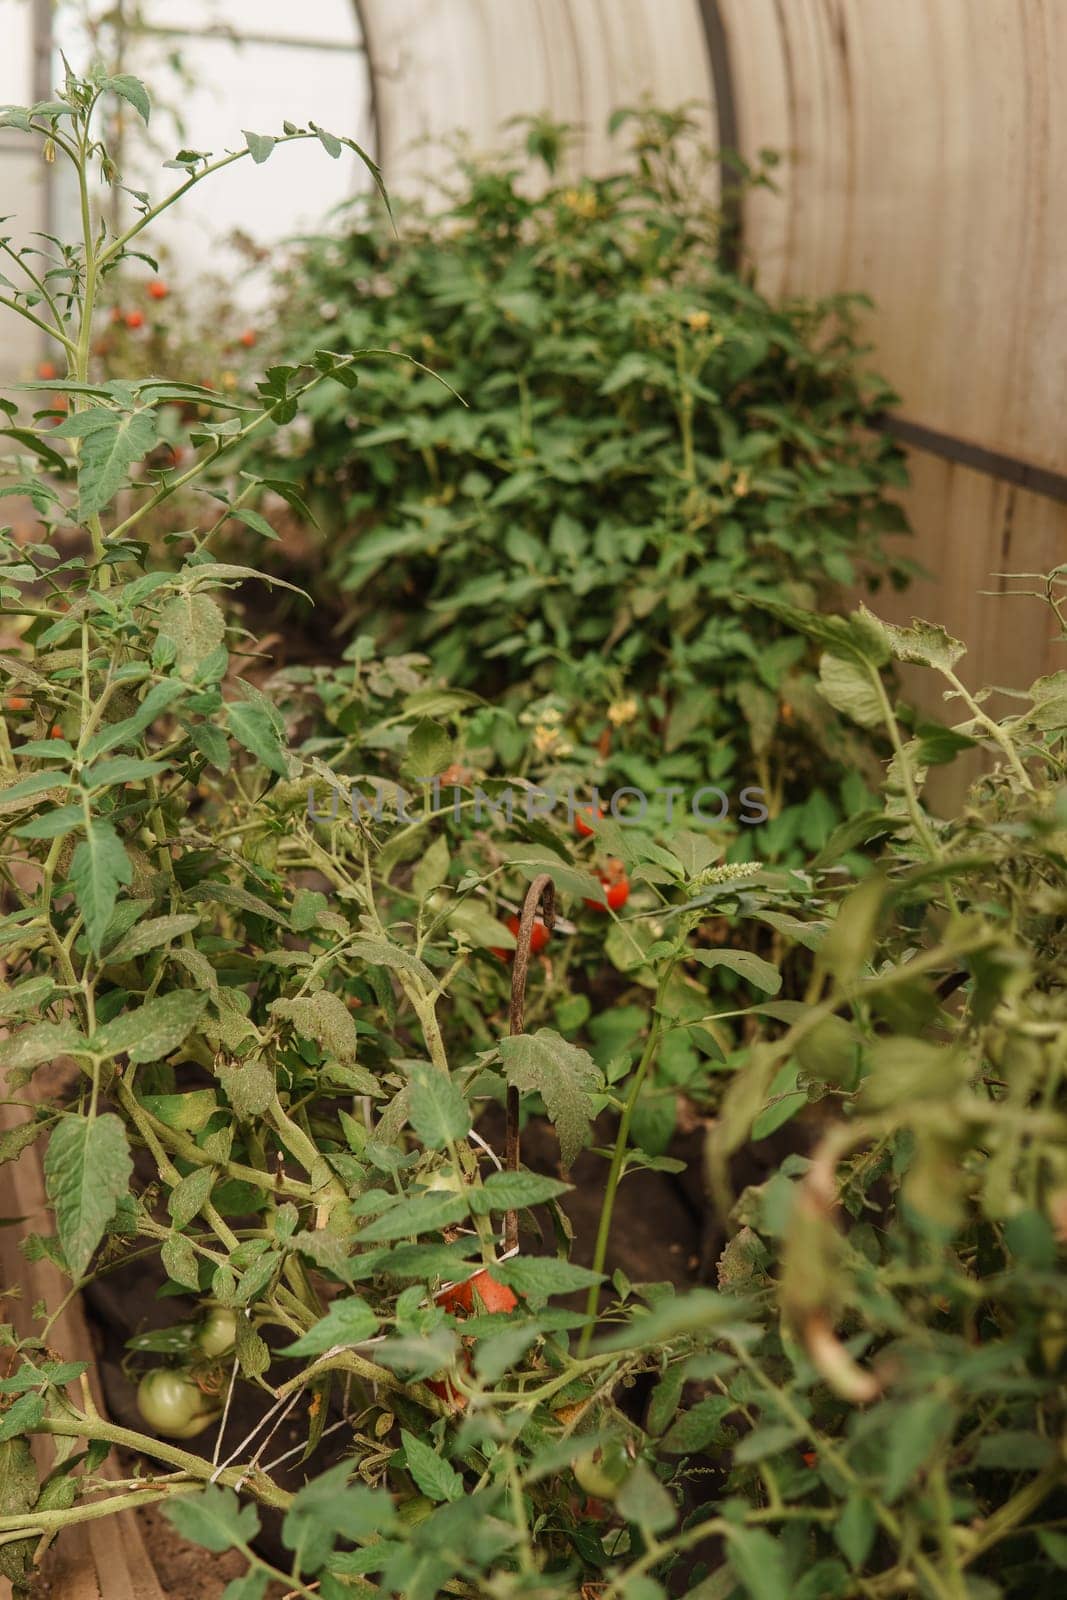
[630, 444]
[299, 1022]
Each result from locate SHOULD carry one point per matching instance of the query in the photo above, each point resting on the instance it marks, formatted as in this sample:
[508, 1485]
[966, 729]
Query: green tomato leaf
[98, 869]
[215, 1519]
[153, 1030]
[260, 146]
[25, 1414]
[761, 974]
[565, 1077]
[758, 1561]
[253, 728]
[433, 1476]
[151, 934]
[347, 1321]
[643, 1500]
[190, 1195]
[195, 626]
[133, 91]
[87, 1172]
[111, 443]
[323, 1017]
[436, 1108]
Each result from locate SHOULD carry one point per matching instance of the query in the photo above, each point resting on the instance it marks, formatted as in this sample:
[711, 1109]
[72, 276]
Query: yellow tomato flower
[622, 711]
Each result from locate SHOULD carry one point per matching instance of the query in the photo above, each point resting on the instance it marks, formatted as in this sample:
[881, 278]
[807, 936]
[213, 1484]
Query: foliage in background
[635, 443]
[299, 1021]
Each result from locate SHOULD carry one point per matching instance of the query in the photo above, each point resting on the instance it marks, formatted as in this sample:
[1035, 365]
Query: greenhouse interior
[533, 800]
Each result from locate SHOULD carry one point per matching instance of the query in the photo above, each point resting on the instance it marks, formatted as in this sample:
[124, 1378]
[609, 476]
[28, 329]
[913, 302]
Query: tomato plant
[288, 1012]
[633, 444]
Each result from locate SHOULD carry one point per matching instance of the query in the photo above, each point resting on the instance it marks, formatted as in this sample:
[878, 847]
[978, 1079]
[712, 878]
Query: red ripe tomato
[47, 370]
[581, 827]
[17, 702]
[158, 289]
[459, 1298]
[57, 731]
[539, 934]
[615, 883]
[456, 1299]
[447, 1392]
[135, 319]
[494, 1296]
[248, 338]
[618, 893]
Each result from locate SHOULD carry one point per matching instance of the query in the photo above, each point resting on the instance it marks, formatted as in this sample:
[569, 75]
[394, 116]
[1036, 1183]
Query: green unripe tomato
[602, 1471]
[172, 1404]
[217, 1334]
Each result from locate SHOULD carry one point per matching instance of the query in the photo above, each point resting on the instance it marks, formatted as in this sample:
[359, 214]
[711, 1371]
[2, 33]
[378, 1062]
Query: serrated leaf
[348, 1321]
[29, 995]
[212, 744]
[250, 1086]
[215, 1519]
[428, 753]
[196, 963]
[153, 1030]
[759, 1563]
[23, 1416]
[195, 626]
[511, 1191]
[99, 868]
[674, 1317]
[424, 1213]
[155, 702]
[698, 1427]
[13, 1141]
[253, 1353]
[252, 727]
[912, 1434]
[133, 91]
[850, 689]
[190, 1195]
[251, 1585]
[188, 1112]
[111, 443]
[855, 1530]
[151, 934]
[761, 974]
[534, 1278]
[380, 953]
[643, 1500]
[436, 1108]
[498, 1354]
[123, 769]
[432, 870]
[924, 643]
[323, 1017]
[434, 1477]
[564, 1075]
[179, 1261]
[18, 1492]
[43, 1041]
[87, 1172]
[329, 1506]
